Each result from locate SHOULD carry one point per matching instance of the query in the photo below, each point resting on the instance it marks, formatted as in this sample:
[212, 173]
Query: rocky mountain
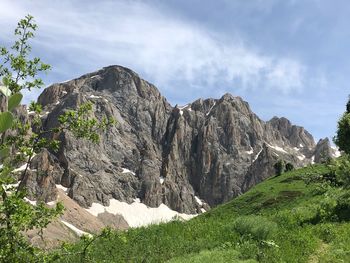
[182, 160]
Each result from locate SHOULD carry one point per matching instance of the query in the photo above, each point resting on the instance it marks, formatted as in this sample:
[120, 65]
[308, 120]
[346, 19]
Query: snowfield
[138, 214]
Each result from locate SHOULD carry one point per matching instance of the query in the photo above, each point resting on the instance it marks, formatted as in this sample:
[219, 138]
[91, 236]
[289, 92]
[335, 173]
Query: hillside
[300, 216]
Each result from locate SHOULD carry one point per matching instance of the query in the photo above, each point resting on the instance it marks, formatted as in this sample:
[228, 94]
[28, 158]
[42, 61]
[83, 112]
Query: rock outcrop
[188, 158]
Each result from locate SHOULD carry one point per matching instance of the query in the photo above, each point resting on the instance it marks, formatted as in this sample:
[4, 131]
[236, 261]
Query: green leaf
[14, 101]
[6, 120]
[5, 90]
[4, 153]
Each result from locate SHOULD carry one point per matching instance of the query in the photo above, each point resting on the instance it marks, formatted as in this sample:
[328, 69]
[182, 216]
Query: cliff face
[188, 158]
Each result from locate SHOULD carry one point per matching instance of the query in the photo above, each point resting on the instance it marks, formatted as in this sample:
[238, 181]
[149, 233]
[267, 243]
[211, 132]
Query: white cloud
[140, 36]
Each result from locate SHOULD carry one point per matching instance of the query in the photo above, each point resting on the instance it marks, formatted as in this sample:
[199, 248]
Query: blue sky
[286, 58]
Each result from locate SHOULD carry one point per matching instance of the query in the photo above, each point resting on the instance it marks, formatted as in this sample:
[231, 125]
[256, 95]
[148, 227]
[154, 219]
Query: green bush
[296, 216]
[279, 167]
[340, 169]
[289, 167]
[342, 138]
[256, 227]
[342, 208]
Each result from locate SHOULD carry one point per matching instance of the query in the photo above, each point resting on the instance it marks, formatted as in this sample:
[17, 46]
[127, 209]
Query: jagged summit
[185, 157]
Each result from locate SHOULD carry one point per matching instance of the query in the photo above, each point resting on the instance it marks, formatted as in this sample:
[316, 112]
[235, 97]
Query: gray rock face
[323, 151]
[213, 149]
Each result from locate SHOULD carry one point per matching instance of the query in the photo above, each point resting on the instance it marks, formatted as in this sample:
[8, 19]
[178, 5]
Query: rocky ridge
[189, 158]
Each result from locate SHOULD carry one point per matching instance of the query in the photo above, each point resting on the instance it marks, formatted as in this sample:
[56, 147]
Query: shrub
[342, 138]
[255, 227]
[289, 167]
[340, 171]
[279, 167]
[342, 209]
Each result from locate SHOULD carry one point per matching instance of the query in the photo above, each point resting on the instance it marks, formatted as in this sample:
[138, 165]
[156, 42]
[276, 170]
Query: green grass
[289, 218]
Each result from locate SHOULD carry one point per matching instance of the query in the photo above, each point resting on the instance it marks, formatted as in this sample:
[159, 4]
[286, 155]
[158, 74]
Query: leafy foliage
[289, 167]
[342, 138]
[21, 140]
[279, 167]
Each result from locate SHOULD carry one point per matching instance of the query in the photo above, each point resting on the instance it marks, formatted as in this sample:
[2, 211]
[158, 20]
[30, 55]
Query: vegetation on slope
[300, 216]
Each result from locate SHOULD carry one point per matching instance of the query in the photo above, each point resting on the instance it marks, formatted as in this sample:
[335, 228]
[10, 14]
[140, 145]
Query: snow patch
[64, 92]
[301, 157]
[256, 157]
[198, 200]
[127, 171]
[57, 102]
[277, 148]
[137, 214]
[251, 151]
[20, 169]
[59, 186]
[51, 203]
[203, 210]
[210, 109]
[8, 186]
[95, 97]
[301, 146]
[161, 179]
[29, 201]
[313, 159]
[183, 107]
[75, 229]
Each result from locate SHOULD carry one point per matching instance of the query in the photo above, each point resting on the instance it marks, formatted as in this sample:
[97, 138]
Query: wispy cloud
[147, 39]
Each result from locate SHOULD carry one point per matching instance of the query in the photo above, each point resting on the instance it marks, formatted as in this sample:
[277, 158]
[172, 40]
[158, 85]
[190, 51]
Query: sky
[286, 58]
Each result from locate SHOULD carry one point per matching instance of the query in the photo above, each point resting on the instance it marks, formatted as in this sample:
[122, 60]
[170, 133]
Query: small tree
[289, 167]
[342, 138]
[21, 141]
[279, 167]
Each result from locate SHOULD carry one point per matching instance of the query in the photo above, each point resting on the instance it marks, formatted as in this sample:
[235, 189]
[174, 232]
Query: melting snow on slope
[198, 200]
[95, 97]
[161, 179]
[30, 201]
[211, 108]
[20, 169]
[251, 151]
[182, 108]
[137, 214]
[301, 157]
[277, 148]
[59, 186]
[127, 171]
[313, 159]
[8, 186]
[76, 230]
[256, 157]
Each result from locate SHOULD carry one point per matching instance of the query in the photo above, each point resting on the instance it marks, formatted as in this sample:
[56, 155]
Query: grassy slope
[283, 209]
